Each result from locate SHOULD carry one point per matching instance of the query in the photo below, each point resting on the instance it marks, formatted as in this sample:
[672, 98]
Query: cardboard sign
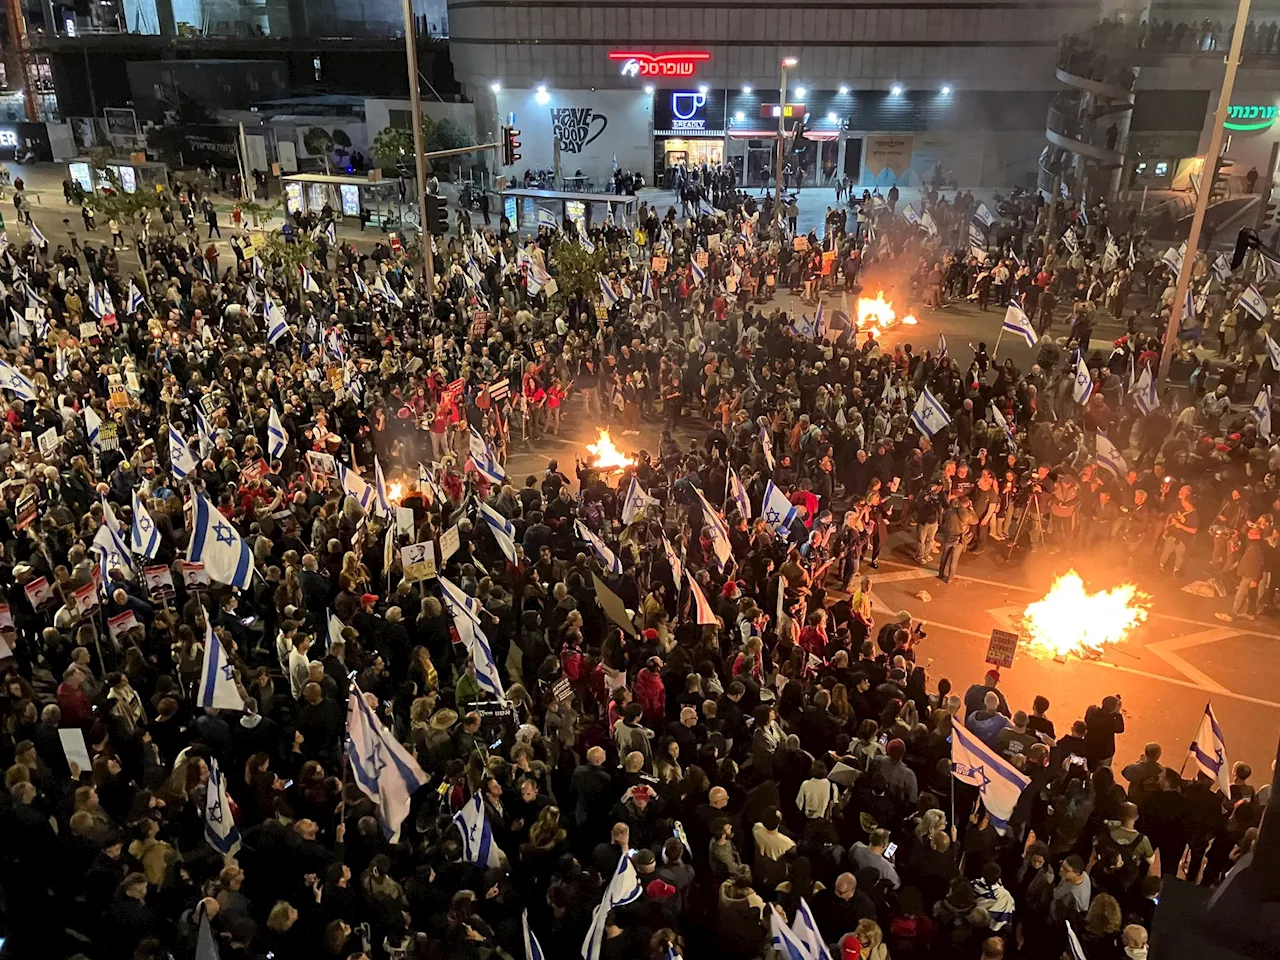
[88, 330]
[74, 748]
[658, 264]
[159, 581]
[248, 251]
[479, 324]
[322, 464]
[828, 261]
[450, 540]
[26, 511]
[253, 471]
[38, 592]
[396, 245]
[194, 576]
[701, 258]
[1002, 648]
[418, 561]
[109, 435]
[209, 404]
[49, 441]
[119, 396]
[800, 244]
[404, 521]
[86, 599]
[121, 624]
[550, 288]
[6, 619]
[539, 349]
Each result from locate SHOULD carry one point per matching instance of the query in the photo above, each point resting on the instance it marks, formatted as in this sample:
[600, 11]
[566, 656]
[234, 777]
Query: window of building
[400, 119]
[315, 63]
[1162, 168]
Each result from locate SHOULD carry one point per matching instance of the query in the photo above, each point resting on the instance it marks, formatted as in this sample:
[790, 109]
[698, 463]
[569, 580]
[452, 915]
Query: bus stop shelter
[526, 210]
[148, 175]
[345, 194]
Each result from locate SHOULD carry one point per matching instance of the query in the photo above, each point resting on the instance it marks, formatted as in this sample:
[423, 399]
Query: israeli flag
[1172, 259]
[777, 511]
[385, 506]
[547, 219]
[677, 568]
[738, 494]
[1110, 458]
[503, 531]
[309, 284]
[607, 556]
[698, 273]
[1208, 751]
[1253, 303]
[928, 415]
[479, 243]
[217, 688]
[331, 233]
[427, 484]
[983, 215]
[181, 463]
[1261, 411]
[1082, 388]
[478, 844]
[1221, 268]
[1273, 352]
[277, 439]
[110, 538]
[1017, 321]
[361, 285]
[217, 544]
[766, 444]
[532, 949]
[646, 287]
[354, 485]
[38, 237]
[1069, 240]
[489, 470]
[926, 221]
[383, 769]
[92, 425]
[785, 941]
[144, 537]
[277, 326]
[33, 298]
[999, 783]
[136, 300]
[204, 430]
[942, 346]
[380, 287]
[11, 378]
[478, 648]
[624, 887]
[719, 530]
[976, 237]
[998, 419]
[636, 501]
[702, 610]
[606, 291]
[585, 241]
[805, 927]
[820, 323]
[219, 824]
[1189, 306]
[1144, 392]
[459, 604]
[909, 214]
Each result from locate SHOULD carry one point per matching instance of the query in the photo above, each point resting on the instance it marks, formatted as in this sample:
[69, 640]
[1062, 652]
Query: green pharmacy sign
[1250, 116]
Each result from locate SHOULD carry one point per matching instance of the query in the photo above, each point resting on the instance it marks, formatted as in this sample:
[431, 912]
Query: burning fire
[607, 456]
[1069, 619]
[395, 491]
[877, 315]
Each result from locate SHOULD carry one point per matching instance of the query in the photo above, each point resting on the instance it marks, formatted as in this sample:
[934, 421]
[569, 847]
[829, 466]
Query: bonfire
[606, 456]
[395, 491]
[1071, 620]
[876, 314]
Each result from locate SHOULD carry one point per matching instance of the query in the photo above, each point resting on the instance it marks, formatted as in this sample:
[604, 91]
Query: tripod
[1037, 530]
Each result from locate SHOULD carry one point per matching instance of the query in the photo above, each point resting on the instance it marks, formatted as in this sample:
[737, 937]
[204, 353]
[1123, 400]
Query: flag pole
[1187, 756]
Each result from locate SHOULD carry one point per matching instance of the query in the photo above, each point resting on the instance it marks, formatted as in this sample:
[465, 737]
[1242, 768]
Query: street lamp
[787, 64]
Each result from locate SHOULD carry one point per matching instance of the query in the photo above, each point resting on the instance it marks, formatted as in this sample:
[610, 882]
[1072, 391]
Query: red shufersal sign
[681, 64]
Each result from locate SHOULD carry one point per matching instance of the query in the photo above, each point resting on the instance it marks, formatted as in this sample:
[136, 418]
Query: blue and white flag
[766, 444]
[483, 457]
[999, 782]
[624, 887]
[11, 378]
[205, 432]
[217, 544]
[136, 300]
[219, 824]
[805, 927]
[427, 484]
[820, 322]
[998, 419]
[383, 769]
[646, 287]
[309, 284]
[909, 214]
[37, 237]
[1208, 751]
[926, 221]
[1253, 303]
[478, 844]
[331, 233]
[1273, 351]
[1110, 458]
[942, 346]
[277, 325]
[1016, 321]
[33, 296]
[1082, 388]
[636, 501]
[929, 415]
[738, 494]
[458, 603]
[354, 485]
[698, 273]
[1261, 412]
[477, 645]
[1073, 943]
[607, 556]
[181, 462]
[788, 945]
[217, 688]
[547, 219]
[703, 614]
[385, 506]
[112, 555]
[606, 291]
[1172, 258]
[532, 949]
[144, 538]
[1144, 392]
[777, 511]
[1221, 268]
[673, 561]
[977, 238]
[804, 328]
[983, 215]
[719, 530]
[92, 425]
[504, 531]
[277, 439]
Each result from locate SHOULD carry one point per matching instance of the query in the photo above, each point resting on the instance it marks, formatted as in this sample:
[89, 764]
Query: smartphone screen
[890, 850]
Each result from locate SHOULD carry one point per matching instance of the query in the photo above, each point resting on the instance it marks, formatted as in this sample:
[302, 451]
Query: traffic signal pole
[419, 154]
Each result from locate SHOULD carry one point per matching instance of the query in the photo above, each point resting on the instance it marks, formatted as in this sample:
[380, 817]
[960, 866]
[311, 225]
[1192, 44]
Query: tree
[112, 200]
[577, 271]
[341, 145]
[320, 141]
[291, 256]
[392, 143]
[450, 135]
[260, 211]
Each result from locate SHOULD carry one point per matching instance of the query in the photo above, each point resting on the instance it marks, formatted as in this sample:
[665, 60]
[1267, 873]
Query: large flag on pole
[702, 609]
[636, 501]
[277, 439]
[532, 949]
[382, 768]
[607, 556]
[777, 511]
[1252, 301]
[143, 538]
[738, 494]
[719, 529]
[1109, 456]
[1261, 412]
[217, 678]
[788, 945]
[1144, 391]
[217, 544]
[1208, 751]
[181, 462]
[219, 824]
[1082, 388]
[478, 844]
[805, 927]
[503, 530]
[1017, 321]
[929, 415]
[999, 782]
[624, 887]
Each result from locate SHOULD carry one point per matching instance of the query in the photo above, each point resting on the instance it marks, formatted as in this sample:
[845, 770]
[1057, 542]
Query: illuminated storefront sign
[688, 113]
[1250, 116]
[681, 64]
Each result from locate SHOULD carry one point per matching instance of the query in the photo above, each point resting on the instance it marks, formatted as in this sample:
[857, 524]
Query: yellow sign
[889, 151]
[249, 251]
[701, 259]
[800, 244]
[659, 264]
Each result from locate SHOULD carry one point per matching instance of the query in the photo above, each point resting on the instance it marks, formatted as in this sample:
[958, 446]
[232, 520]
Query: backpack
[1109, 846]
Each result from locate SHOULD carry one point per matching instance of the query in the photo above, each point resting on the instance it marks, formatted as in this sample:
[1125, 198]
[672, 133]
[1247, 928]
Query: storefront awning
[690, 134]
[773, 135]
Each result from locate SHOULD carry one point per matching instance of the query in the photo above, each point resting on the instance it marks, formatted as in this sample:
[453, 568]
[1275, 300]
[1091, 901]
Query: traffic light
[510, 146]
[437, 214]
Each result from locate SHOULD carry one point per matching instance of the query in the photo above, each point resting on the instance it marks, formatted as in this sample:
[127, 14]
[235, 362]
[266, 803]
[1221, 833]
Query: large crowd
[662, 690]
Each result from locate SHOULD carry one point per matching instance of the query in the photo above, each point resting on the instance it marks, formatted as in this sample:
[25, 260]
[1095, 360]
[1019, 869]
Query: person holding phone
[872, 854]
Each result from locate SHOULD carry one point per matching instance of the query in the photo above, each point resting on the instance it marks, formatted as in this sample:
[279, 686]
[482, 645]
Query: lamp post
[419, 153]
[787, 64]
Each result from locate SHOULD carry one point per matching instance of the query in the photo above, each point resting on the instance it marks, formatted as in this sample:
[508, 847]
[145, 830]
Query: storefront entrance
[691, 153]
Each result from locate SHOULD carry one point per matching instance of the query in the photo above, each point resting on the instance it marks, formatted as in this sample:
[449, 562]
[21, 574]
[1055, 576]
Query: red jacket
[652, 695]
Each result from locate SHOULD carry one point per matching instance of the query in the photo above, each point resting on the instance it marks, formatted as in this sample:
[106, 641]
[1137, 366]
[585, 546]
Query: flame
[395, 491]
[1069, 619]
[876, 314]
[607, 456]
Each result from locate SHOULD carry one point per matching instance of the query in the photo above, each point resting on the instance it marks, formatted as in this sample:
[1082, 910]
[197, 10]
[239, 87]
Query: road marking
[1167, 650]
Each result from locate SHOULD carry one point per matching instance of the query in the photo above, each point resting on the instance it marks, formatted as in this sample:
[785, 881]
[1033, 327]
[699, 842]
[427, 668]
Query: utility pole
[787, 62]
[419, 155]
[1206, 187]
